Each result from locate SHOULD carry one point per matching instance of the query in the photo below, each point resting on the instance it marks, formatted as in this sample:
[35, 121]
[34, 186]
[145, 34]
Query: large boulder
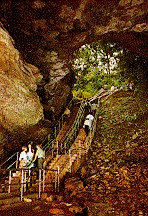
[20, 105]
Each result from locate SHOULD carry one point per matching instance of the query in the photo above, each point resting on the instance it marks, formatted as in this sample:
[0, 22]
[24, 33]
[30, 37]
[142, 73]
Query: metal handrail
[71, 150]
[53, 135]
[56, 130]
[69, 136]
[75, 127]
[49, 145]
[16, 153]
[25, 180]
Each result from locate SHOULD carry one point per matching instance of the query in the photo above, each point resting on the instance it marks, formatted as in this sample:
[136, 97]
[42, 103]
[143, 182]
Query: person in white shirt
[23, 157]
[88, 123]
[30, 155]
[112, 88]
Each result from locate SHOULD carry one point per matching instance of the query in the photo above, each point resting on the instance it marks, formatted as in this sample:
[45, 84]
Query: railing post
[17, 159]
[79, 148]
[86, 149]
[22, 184]
[29, 177]
[52, 147]
[57, 147]
[40, 179]
[65, 146]
[49, 135]
[55, 132]
[78, 125]
[86, 145]
[75, 132]
[59, 125]
[70, 160]
[61, 145]
[44, 180]
[9, 187]
[25, 181]
[58, 178]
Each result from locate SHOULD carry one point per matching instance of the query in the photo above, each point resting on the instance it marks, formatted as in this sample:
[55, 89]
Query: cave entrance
[105, 63]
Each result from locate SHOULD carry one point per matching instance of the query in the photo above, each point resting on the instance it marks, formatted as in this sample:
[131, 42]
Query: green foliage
[79, 94]
[106, 63]
[133, 67]
[130, 117]
[105, 126]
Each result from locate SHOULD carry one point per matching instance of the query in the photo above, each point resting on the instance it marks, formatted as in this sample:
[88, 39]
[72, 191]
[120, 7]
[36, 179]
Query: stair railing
[24, 180]
[15, 155]
[87, 143]
[91, 133]
[52, 136]
[71, 134]
[80, 151]
[10, 178]
[58, 178]
[59, 124]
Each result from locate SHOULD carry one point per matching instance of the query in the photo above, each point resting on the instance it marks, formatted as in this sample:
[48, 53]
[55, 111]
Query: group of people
[88, 123]
[28, 157]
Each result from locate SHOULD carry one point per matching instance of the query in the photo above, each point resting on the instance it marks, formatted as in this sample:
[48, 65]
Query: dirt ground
[117, 167]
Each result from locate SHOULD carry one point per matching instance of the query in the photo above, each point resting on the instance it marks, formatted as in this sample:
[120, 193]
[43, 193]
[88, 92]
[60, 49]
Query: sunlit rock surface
[20, 105]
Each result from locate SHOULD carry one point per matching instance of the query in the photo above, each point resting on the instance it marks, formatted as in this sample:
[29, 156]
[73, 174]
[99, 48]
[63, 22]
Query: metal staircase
[66, 155]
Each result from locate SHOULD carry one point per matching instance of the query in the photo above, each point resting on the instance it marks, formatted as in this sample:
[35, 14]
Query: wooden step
[53, 162]
[50, 178]
[13, 188]
[15, 180]
[49, 188]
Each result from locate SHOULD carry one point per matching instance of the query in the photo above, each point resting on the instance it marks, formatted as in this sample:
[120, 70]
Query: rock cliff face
[46, 33]
[63, 26]
[19, 102]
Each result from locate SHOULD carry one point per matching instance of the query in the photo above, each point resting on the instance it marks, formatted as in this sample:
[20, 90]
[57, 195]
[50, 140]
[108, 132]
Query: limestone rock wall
[63, 26]
[19, 103]
[58, 87]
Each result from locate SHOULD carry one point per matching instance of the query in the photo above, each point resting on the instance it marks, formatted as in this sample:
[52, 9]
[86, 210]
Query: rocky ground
[113, 180]
[115, 173]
